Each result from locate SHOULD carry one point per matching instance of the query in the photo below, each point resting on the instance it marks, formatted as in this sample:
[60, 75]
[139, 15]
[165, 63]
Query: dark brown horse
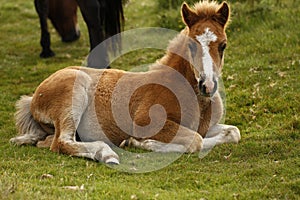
[104, 18]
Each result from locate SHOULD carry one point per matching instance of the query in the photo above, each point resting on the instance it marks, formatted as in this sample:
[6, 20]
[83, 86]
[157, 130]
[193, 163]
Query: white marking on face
[205, 39]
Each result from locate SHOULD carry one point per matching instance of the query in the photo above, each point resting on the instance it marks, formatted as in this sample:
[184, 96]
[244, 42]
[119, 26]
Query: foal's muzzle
[208, 89]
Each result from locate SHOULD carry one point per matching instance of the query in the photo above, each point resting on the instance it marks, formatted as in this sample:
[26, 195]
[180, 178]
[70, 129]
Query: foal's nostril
[206, 91]
[202, 87]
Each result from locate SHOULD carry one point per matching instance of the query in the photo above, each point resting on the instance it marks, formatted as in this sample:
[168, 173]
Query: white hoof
[112, 161]
[233, 134]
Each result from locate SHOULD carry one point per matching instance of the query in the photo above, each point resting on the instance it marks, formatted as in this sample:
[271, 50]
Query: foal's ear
[188, 15]
[223, 14]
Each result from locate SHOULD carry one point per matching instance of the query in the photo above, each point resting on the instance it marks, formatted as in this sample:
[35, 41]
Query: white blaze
[207, 61]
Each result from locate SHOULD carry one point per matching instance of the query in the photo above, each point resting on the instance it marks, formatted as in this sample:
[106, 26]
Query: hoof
[112, 161]
[47, 54]
[125, 143]
[233, 134]
[130, 142]
[22, 140]
[13, 141]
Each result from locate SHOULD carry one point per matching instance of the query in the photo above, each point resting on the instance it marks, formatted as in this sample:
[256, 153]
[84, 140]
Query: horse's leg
[45, 143]
[65, 142]
[182, 140]
[42, 8]
[219, 134]
[67, 121]
[91, 14]
[153, 145]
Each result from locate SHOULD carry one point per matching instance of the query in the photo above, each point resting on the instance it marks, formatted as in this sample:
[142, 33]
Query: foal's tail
[24, 120]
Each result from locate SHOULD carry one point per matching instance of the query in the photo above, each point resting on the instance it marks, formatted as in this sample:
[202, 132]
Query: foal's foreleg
[219, 134]
[183, 140]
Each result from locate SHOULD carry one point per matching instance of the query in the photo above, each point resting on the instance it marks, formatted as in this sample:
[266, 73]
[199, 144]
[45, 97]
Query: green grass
[261, 77]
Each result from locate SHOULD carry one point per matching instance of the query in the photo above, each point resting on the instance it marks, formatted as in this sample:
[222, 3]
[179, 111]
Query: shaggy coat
[174, 107]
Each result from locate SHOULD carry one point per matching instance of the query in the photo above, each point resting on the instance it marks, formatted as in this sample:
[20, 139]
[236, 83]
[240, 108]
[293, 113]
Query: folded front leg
[176, 138]
[219, 134]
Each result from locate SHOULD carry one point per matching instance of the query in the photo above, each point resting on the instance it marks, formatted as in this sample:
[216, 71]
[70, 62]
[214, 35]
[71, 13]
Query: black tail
[112, 17]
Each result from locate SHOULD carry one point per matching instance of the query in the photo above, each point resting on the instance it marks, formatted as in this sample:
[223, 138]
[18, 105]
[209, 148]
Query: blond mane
[207, 9]
[172, 48]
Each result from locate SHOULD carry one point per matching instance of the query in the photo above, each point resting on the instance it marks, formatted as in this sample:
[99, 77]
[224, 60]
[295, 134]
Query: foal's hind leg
[45, 143]
[67, 144]
[65, 132]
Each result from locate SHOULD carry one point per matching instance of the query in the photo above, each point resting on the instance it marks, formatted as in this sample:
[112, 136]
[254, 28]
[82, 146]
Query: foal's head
[206, 24]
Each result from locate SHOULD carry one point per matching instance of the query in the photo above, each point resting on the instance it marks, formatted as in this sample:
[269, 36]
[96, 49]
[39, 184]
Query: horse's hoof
[107, 159]
[47, 54]
[124, 143]
[112, 161]
[13, 141]
[127, 143]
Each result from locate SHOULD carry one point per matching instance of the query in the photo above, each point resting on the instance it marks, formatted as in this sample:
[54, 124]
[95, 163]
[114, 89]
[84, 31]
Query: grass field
[261, 77]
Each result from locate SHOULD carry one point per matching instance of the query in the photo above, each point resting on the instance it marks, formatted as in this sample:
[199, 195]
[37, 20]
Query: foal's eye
[222, 48]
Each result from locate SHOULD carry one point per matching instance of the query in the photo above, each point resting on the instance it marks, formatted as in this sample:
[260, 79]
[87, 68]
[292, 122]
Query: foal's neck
[180, 64]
